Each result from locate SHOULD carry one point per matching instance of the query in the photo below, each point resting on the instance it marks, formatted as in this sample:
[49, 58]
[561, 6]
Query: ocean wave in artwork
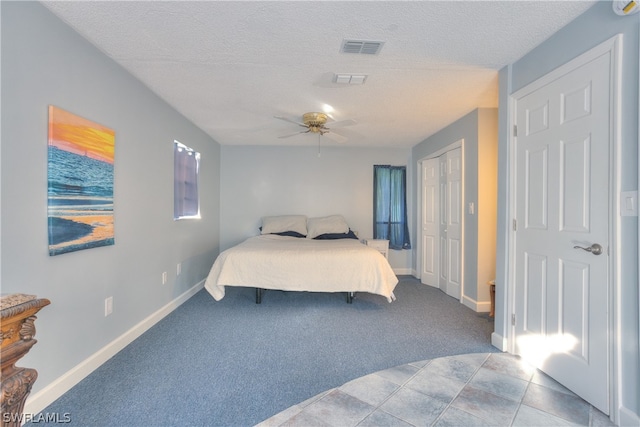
[80, 202]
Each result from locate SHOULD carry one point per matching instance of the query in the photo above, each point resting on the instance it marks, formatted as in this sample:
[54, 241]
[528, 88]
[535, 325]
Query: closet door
[442, 222]
[442, 211]
[453, 222]
[430, 221]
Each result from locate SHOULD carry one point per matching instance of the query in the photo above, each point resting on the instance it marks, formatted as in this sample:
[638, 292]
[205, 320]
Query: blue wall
[45, 62]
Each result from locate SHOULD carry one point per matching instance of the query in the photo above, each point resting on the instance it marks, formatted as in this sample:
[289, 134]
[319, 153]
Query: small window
[390, 205]
[186, 163]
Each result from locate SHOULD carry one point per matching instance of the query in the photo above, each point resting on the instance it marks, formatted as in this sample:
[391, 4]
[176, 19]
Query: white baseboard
[39, 401]
[627, 418]
[478, 307]
[498, 342]
[402, 271]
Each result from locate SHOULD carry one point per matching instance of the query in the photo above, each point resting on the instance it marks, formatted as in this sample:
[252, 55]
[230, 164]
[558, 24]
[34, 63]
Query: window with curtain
[390, 205]
[186, 163]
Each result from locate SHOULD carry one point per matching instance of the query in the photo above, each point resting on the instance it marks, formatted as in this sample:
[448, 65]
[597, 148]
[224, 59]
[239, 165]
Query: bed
[313, 258]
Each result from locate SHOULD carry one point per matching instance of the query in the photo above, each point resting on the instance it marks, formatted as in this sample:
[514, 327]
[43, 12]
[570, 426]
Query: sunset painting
[80, 172]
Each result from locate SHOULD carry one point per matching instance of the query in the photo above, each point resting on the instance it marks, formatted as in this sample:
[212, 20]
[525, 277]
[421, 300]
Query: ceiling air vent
[364, 47]
[350, 79]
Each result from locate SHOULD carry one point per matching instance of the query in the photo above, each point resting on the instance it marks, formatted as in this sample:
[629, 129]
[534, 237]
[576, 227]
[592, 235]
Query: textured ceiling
[230, 67]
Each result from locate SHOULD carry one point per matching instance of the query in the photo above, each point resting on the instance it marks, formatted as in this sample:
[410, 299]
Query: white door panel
[576, 199]
[535, 291]
[444, 205]
[454, 222]
[430, 222]
[536, 186]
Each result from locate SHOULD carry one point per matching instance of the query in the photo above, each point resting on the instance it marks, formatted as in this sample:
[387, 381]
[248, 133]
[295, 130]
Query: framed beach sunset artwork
[80, 189]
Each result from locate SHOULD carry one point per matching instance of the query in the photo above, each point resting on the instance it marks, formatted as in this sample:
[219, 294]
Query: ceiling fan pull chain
[318, 145]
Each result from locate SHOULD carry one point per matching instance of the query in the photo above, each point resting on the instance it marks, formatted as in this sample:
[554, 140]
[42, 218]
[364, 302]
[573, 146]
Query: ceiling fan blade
[293, 134]
[341, 123]
[336, 137]
[290, 121]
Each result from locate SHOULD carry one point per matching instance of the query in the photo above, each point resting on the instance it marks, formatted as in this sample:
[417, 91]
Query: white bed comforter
[299, 264]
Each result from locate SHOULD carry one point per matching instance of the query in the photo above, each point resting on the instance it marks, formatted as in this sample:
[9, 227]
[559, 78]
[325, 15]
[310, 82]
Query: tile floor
[494, 389]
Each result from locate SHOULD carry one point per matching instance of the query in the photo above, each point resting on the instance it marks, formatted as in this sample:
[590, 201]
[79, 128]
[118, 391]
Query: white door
[430, 259]
[443, 268]
[450, 230]
[562, 197]
[453, 222]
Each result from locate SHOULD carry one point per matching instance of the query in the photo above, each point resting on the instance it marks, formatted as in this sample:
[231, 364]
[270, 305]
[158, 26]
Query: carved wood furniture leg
[17, 314]
[15, 390]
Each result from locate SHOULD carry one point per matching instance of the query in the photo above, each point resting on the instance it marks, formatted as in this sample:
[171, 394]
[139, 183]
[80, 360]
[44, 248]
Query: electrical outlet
[108, 306]
[179, 269]
[164, 277]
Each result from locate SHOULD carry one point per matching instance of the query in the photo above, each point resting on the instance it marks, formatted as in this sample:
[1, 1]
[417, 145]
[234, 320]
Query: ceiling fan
[316, 123]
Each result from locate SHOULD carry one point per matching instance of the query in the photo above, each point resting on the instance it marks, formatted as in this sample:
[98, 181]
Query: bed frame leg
[349, 297]
[258, 295]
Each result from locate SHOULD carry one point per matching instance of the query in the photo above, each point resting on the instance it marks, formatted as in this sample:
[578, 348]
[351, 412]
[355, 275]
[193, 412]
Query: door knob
[595, 249]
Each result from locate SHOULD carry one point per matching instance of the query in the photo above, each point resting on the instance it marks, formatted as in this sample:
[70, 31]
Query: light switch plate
[629, 203]
[108, 306]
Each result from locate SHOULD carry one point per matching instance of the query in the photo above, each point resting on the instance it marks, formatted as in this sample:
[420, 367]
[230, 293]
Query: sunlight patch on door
[537, 348]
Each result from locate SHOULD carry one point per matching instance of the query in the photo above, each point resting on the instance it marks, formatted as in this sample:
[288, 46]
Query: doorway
[562, 194]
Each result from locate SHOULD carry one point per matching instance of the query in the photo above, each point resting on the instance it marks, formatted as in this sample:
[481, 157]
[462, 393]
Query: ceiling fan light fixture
[314, 119]
[315, 122]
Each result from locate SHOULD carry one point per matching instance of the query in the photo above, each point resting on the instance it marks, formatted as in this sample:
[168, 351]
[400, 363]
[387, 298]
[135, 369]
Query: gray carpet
[235, 363]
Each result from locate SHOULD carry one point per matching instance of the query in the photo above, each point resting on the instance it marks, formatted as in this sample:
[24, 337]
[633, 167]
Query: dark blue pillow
[288, 233]
[335, 236]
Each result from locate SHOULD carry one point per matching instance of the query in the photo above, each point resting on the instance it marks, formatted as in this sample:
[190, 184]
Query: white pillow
[328, 224]
[282, 223]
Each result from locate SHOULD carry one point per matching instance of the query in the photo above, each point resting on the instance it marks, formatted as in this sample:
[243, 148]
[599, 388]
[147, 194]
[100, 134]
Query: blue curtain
[390, 205]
